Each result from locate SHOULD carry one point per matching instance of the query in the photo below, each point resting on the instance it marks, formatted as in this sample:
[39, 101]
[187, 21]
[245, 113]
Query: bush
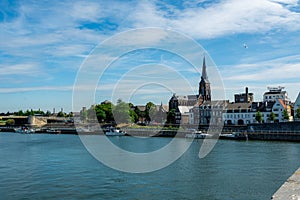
[10, 122]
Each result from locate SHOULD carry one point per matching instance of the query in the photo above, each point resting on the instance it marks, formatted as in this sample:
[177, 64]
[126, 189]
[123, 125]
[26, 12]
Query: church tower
[204, 85]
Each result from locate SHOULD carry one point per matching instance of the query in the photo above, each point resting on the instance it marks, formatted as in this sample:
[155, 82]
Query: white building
[276, 93]
[245, 113]
[279, 108]
[185, 114]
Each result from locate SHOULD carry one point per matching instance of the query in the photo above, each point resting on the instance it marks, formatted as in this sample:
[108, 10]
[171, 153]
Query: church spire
[204, 86]
[204, 73]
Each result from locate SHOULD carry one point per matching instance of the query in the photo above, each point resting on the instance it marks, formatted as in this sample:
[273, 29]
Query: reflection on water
[58, 166]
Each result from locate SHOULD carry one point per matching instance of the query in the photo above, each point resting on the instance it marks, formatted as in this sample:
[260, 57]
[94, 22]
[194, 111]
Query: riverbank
[148, 132]
[290, 190]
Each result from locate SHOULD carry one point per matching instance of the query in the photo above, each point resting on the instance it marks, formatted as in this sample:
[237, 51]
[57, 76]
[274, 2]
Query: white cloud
[30, 89]
[20, 69]
[86, 11]
[42, 30]
[285, 68]
[226, 17]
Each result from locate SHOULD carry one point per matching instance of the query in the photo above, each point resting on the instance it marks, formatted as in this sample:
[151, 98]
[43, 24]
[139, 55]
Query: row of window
[228, 116]
[277, 96]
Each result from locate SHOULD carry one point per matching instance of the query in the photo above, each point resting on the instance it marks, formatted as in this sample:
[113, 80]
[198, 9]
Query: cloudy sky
[44, 44]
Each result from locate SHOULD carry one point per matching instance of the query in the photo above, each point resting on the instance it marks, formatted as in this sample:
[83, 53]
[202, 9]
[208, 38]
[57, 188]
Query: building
[245, 113]
[201, 113]
[184, 105]
[276, 93]
[161, 114]
[174, 107]
[279, 108]
[187, 100]
[185, 114]
[204, 86]
[157, 116]
[209, 112]
[244, 97]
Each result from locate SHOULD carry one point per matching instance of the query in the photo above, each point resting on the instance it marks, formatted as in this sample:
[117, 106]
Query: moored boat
[53, 131]
[114, 132]
[234, 136]
[198, 135]
[24, 130]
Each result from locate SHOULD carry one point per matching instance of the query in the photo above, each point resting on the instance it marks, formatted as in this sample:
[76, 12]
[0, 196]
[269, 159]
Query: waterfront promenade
[290, 190]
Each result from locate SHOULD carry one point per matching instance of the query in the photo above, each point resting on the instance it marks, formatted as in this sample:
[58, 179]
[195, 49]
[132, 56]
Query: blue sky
[44, 43]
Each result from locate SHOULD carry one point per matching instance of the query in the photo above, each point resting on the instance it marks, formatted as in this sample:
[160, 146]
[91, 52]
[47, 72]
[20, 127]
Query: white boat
[114, 132]
[198, 135]
[24, 130]
[234, 136]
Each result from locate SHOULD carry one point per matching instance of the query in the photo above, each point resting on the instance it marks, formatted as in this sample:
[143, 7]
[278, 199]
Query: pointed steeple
[204, 85]
[204, 73]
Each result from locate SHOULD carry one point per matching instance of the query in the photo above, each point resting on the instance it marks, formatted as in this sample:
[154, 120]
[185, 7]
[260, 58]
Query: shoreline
[244, 135]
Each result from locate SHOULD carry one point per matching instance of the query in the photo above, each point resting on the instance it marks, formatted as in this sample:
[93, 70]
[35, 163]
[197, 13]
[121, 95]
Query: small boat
[234, 136]
[24, 130]
[198, 135]
[53, 131]
[114, 132]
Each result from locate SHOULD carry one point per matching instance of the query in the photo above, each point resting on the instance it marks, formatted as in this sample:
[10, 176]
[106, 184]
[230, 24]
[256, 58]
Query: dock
[290, 190]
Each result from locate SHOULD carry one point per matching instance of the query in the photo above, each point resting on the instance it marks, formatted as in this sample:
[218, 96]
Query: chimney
[247, 95]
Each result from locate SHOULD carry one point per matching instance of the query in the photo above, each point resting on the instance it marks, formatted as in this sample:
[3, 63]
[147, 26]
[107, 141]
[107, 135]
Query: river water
[43, 166]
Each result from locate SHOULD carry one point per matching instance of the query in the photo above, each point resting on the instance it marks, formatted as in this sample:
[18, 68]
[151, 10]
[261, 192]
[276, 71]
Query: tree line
[122, 112]
[39, 112]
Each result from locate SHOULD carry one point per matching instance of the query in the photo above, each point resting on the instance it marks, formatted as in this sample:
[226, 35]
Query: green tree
[141, 114]
[133, 116]
[20, 113]
[171, 117]
[61, 114]
[150, 111]
[121, 112]
[10, 122]
[29, 113]
[259, 117]
[104, 112]
[101, 116]
[285, 115]
[272, 117]
[71, 114]
[48, 113]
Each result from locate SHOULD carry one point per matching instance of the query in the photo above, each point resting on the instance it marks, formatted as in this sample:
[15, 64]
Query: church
[185, 106]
